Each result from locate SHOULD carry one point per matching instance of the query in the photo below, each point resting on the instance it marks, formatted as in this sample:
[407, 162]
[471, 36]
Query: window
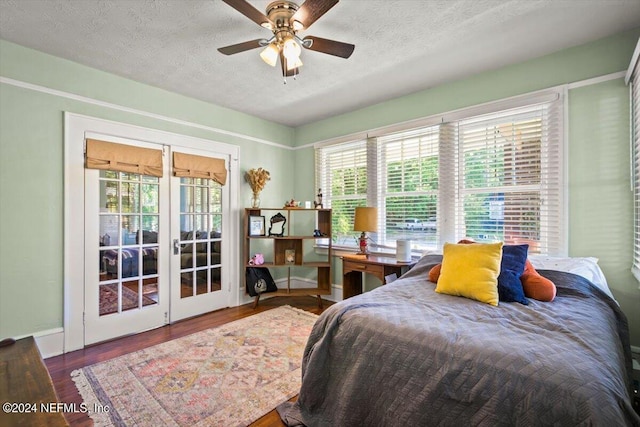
[509, 168]
[483, 175]
[408, 169]
[341, 176]
[633, 79]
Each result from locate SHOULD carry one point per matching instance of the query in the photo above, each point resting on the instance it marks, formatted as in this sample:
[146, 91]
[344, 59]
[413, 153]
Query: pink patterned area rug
[225, 376]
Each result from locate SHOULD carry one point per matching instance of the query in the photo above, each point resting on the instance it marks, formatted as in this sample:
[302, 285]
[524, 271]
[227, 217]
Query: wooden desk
[354, 265]
[25, 381]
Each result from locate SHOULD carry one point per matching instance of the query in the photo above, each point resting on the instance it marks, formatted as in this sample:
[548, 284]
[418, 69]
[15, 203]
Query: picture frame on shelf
[290, 256]
[277, 222]
[257, 225]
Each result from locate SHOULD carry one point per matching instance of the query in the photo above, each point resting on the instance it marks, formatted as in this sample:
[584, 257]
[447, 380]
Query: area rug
[225, 376]
[109, 299]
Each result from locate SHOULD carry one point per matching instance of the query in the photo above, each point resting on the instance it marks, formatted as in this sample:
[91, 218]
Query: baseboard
[50, 342]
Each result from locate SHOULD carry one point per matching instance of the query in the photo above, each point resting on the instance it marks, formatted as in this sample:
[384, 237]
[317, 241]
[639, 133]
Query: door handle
[176, 246]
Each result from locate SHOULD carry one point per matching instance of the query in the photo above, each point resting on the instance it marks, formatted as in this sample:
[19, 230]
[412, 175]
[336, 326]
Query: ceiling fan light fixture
[291, 49]
[294, 64]
[284, 18]
[270, 54]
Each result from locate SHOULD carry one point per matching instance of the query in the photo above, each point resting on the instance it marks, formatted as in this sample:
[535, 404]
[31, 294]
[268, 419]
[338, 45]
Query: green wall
[31, 139]
[32, 168]
[600, 197]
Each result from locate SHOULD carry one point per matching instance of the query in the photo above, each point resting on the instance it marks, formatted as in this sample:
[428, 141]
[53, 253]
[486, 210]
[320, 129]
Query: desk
[354, 265]
[25, 379]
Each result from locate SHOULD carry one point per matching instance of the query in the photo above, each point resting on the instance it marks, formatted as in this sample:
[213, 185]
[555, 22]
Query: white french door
[126, 281]
[144, 251]
[200, 225]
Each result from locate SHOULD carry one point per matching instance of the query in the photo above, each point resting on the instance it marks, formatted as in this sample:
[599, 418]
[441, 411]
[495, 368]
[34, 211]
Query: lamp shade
[366, 219]
[270, 54]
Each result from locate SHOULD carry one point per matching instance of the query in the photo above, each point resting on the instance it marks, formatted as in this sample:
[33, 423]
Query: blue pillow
[510, 289]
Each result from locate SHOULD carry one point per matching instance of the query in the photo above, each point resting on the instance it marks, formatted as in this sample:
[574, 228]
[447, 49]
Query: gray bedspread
[404, 355]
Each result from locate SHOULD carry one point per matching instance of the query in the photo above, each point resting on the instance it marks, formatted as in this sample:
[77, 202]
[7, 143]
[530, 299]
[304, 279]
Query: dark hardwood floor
[60, 367]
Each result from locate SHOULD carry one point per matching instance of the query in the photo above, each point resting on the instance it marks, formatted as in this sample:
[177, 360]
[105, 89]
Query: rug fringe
[100, 419]
[300, 311]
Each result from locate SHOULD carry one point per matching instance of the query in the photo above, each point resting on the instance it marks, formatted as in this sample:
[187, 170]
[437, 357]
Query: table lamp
[366, 219]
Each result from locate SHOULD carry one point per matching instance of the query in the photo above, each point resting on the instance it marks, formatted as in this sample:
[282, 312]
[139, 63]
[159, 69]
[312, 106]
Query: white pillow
[586, 267]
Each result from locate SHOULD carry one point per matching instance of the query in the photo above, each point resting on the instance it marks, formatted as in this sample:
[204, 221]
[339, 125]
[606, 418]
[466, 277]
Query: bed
[404, 355]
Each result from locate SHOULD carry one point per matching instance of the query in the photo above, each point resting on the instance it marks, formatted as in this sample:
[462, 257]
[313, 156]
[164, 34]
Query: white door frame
[76, 128]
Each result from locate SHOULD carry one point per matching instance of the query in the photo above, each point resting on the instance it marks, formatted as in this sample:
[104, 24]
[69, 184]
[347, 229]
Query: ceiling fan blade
[311, 10]
[240, 47]
[331, 47]
[249, 11]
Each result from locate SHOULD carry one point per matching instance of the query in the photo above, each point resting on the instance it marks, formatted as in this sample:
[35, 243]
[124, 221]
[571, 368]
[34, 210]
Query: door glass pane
[201, 198]
[109, 225]
[109, 299]
[109, 265]
[216, 284]
[200, 236]
[216, 225]
[200, 224]
[129, 224]
[150, 198]
[215, 203]
[150, 225]
[130, 227]
[109, 196]
[186, 284]
[130, 295]
[150, 291]
[130, 197]
[201, 282]
[150, 260]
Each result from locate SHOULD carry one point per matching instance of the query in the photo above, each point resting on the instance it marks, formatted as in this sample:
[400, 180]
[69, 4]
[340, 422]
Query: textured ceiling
[402, 46]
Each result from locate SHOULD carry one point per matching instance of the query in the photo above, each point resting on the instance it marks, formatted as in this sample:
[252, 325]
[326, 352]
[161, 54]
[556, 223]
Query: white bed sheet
[586, 267]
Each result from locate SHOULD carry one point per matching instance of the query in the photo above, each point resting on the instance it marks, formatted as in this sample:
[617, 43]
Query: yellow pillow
[471, 271]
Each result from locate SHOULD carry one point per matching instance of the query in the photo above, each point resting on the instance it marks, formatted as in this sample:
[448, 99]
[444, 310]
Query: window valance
[123, 158]
[199, 167]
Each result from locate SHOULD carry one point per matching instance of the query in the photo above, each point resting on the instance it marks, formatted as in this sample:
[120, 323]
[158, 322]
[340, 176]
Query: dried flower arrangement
[257, 179]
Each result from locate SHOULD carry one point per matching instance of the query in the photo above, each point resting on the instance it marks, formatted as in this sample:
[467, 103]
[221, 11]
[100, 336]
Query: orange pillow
[434, 273]
[535, 286]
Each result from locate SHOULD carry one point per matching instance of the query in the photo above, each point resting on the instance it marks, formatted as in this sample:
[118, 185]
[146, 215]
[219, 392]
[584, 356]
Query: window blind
[408, 175]
[635, 149]
[509, 178]
[199, 167]
[341, 176]
[123, 158]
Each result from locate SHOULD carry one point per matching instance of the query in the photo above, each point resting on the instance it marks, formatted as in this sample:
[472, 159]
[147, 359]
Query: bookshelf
[295, 249]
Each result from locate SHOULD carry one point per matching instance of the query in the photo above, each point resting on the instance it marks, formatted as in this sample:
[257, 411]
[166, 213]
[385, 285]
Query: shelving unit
[301, 241]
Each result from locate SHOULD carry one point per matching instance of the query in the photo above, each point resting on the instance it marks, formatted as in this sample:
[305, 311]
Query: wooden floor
[60, 367]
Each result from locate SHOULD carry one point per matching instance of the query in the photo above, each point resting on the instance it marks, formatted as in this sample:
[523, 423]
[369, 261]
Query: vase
[255, 200]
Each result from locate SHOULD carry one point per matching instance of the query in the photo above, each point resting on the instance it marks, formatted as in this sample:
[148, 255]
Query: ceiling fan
[285, 19]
